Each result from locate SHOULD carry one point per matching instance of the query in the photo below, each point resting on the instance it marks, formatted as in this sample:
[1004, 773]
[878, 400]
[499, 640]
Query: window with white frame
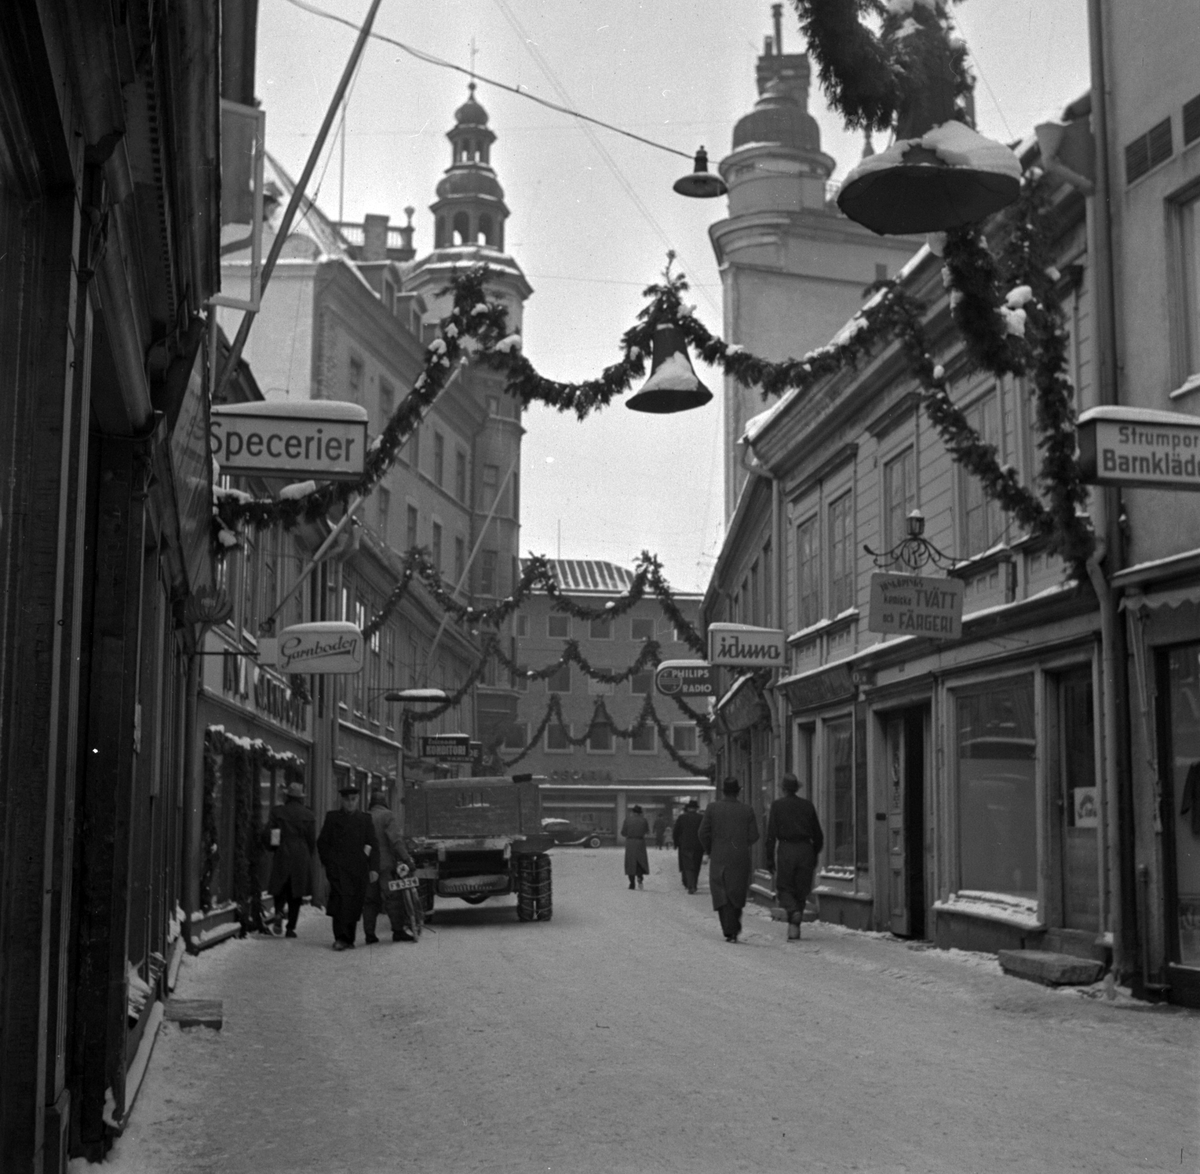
[982, 524]
[516, 736]
[808, 572]
[639, 684]
[645, 740]
[839, 760]
[899, 497]
[600, 738]
[560, 681]
[683, 737]
[558, 735]
[1186, 224]
[558, 627]
[841, 554]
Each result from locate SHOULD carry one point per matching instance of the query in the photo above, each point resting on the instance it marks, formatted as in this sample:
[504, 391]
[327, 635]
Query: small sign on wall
[913, 605]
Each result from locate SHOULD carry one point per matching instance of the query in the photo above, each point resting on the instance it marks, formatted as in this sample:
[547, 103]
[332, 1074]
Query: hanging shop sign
[1135, 446]
[324, 439]
[685, 678]
[745, 646]
[824, 686]
[447, 747]
[913, 605]
[333, 646]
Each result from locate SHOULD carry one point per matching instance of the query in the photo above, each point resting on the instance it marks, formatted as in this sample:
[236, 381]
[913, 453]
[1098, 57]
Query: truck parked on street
[479, 838]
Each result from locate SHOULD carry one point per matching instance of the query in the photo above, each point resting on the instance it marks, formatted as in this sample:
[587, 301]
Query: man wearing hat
[393, 855]
[350, 855]
[291, 834]
[686, 836]
[635, 829]
[794, 841]
[727, 829]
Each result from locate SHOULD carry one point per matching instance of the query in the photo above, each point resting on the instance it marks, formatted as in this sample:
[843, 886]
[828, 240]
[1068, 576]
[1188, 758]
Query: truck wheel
[545, 904]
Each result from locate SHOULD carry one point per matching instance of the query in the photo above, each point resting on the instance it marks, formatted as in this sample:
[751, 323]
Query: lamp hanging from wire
[700, 183]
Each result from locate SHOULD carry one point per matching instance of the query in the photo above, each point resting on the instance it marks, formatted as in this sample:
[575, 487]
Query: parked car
[565, 833]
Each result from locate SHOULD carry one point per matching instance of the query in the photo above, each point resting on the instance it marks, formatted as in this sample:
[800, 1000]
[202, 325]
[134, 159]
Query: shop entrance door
[1078, 809]
[904, 743]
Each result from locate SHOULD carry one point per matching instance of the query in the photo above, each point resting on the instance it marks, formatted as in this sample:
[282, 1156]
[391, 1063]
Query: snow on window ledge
[1021, 912]
[1189, 385]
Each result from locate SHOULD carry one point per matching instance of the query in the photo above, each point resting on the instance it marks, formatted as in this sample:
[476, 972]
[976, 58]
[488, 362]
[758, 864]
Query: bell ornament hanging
[672, 386]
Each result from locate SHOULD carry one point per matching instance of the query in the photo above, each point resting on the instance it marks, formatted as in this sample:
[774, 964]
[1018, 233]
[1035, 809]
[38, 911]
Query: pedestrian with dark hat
[635, 829]
[394, 861]
[349, 853]
[794, 841]
[291, 835]
[686, 837]
[727, 829]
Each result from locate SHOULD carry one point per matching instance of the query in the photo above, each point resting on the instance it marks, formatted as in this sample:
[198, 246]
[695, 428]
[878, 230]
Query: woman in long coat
[727, 830]
[635, 829]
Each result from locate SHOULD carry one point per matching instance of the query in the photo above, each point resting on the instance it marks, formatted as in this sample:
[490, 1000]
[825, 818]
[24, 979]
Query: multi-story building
[594, 782]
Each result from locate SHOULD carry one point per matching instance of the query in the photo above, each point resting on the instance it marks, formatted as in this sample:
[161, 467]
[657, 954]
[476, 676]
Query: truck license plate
[401, 883]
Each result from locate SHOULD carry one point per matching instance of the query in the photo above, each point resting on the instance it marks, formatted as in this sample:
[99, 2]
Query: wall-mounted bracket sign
[330, 647]
[745, 646]
[1139, 446]
[322, 439]
[685, 678]
[447, 747]
[914, 605]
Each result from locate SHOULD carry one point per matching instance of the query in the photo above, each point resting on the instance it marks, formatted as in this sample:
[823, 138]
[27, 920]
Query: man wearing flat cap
[686, 837]
[794, 841]
[727, 829]
[291, 834]
[350, 855]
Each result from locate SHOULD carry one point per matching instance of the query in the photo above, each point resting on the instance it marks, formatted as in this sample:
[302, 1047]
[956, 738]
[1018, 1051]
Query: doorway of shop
[1076, 809]
[904, 749]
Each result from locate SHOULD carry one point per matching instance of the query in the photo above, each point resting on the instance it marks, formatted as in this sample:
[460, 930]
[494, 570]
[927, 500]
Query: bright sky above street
[592, 212]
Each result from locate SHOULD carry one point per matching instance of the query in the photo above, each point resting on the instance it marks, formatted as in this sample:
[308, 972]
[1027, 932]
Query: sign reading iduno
[684, 678]
[330, 647]
[313, 438]
[742, 645]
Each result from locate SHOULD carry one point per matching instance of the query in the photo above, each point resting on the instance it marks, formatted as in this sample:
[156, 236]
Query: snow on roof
[588, 574]
[1138, 416]
[310, 409]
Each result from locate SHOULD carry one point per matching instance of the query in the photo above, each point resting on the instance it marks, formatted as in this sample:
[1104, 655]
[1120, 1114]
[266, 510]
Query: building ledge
[1020, 912]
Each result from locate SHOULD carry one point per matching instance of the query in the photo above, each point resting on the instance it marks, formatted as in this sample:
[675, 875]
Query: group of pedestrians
[356, 849]
[725, 834]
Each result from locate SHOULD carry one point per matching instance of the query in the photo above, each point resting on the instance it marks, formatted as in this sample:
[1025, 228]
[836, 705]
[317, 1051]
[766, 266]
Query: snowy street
[626, 1035]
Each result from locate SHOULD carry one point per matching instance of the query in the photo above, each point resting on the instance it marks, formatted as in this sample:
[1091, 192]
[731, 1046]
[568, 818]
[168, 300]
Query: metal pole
[285, 225]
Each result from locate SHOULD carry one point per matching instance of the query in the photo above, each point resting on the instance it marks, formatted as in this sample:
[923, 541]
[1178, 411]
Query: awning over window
[824, 686]
[742, 707]
[1153, 600]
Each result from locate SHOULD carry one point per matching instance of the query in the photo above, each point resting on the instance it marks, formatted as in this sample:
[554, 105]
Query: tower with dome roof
[793, 268]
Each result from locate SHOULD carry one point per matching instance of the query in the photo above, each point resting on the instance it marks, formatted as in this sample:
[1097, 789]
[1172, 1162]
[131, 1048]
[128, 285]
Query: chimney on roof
[406, 252]
[375, 234]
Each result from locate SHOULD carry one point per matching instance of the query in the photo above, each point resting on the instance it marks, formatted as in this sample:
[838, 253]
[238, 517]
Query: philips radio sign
[742, 646]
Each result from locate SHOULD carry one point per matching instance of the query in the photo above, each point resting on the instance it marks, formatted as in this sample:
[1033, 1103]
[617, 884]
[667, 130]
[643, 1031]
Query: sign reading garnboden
[1135, 446]
[746, 646]
[330, 647]
[324, 439]
[913, 605]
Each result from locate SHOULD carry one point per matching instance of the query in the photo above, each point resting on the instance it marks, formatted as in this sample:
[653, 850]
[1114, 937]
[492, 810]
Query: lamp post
[413, 697]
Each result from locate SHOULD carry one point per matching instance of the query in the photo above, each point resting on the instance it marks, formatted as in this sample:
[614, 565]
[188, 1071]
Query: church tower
[793, 268]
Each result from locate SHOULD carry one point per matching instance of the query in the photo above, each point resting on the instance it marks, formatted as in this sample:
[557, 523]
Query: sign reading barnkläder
[684, 678]
[323, 439]
[745, 646]
[333, 646]
[913, 605]
[1136, 446]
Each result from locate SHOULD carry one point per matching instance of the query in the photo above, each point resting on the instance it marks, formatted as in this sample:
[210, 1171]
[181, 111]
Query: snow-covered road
[627, 1036]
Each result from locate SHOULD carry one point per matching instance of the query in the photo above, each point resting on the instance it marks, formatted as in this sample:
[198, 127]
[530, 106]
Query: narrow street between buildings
[626, 1035]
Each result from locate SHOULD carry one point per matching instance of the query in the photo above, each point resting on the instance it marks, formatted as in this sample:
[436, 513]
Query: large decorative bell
[700, 183]
[672, 386]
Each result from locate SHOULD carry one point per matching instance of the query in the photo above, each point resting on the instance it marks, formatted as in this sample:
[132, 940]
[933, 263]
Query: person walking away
[660, 829]
[635, 829]
[350, 855]
[392, 853]
[291, 834]
[727, 830]
[794, 841]
[686, 835]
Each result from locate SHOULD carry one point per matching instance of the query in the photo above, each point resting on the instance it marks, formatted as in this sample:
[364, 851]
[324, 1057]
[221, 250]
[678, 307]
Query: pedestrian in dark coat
[392, 853]
[686, 835]
[727, 830]
[794, 841]
[291, 834]
[350, 855]
[635, 829]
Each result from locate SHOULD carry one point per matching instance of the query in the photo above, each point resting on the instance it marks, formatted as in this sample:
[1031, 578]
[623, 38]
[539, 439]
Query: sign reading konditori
[1136, 446]
[745, 646]
[333, 646]
[913, 605]
[685, 678]
[324, 439]
[452, 747]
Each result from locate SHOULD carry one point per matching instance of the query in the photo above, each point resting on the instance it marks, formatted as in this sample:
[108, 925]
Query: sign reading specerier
[322, 439]
[744, 646]
[916, 606]
[1135, 446]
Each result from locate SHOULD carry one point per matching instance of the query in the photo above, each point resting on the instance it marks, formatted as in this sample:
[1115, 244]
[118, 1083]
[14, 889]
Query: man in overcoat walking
[686, 836]
[350, 855]
[727, 830]
[391, 853]
[794, 841]
[635, 829]
[292, 836]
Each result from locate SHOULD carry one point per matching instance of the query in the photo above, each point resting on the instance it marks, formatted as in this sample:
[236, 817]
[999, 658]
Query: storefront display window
[997, 806]
[839, 745]
[1183, 668]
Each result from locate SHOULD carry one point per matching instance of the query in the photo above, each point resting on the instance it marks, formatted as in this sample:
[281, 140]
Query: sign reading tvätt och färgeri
[333, 646]
[913, 605]
[323, 439]
[744, 646]
[684, 678]
[1136, 446]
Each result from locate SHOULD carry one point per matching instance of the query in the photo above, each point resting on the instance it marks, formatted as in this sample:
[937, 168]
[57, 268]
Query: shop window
[1183, 802]
[997, 807]
[641, 629]
[558, 627]
[839, 750]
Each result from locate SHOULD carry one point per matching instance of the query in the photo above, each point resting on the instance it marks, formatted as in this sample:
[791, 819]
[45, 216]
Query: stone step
[1050, 969]
[195, 1013]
